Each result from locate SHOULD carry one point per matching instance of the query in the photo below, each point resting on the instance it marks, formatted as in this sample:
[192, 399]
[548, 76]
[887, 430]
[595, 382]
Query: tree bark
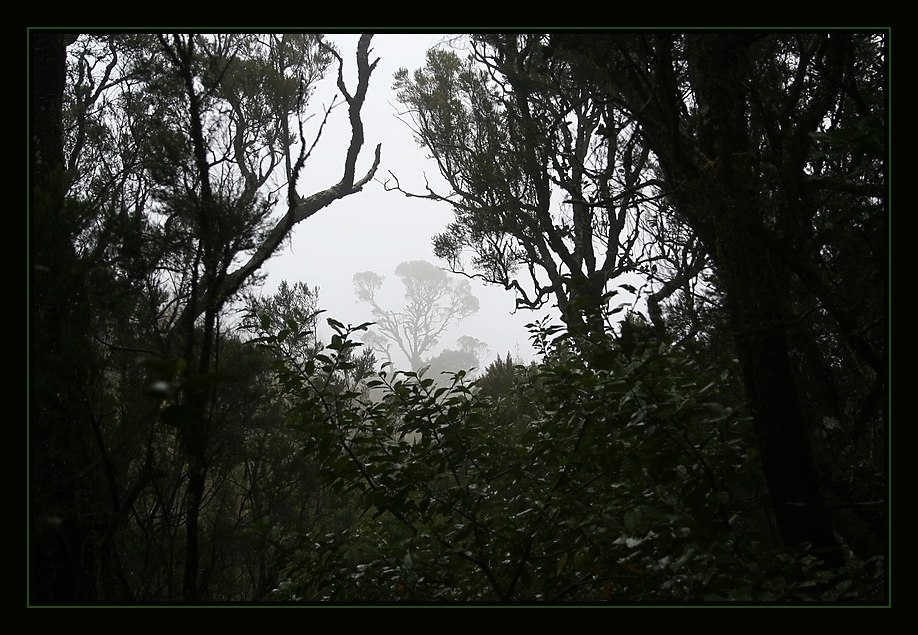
[717, 188]
[753, 280]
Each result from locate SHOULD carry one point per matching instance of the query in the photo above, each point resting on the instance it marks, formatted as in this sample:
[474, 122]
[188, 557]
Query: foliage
[744, 175]
[176, 176]
[633, 483]
[466, 357]
[552, 188]
[292, 315]
[771, 149]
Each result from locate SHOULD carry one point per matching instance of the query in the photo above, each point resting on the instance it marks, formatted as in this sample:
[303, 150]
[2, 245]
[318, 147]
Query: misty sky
[375, 230]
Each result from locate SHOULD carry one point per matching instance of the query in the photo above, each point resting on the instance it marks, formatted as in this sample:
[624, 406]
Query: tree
[60, 350]
[433, 303]
[182, 155]
[213, 212]
[467, 357]
[772, 149]
[546, 176]
[289, 318]
[292, 311]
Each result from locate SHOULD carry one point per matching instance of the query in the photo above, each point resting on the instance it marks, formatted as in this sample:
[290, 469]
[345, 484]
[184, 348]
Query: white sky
[375, 230]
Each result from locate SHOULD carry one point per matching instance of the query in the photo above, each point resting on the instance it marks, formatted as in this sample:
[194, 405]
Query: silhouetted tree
[772, 149]
[549, 182]
[181, 159]
[433, 303]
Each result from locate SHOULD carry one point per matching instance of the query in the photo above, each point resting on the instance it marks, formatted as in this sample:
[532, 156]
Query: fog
[375, 230]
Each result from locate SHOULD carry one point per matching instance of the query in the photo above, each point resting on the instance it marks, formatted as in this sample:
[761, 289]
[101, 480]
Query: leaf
[632, 520]
[706, 388]
[559, 567]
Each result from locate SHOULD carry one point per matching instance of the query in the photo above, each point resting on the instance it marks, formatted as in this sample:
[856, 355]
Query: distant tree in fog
[434, 301]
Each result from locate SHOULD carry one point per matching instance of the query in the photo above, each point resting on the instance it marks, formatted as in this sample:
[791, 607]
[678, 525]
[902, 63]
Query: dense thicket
[719, 436]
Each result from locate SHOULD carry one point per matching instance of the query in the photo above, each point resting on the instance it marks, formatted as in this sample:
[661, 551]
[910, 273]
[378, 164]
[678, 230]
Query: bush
[629, 481]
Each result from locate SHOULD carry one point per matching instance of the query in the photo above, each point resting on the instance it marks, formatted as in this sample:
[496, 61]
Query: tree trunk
[61, 463]
[779, 419]
[716, 186]
[724, 202]
[197, 473]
